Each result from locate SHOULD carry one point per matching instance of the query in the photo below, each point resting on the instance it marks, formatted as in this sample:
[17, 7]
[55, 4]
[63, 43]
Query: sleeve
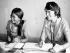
[23, 32]
[66, 30]
[43, 32]
[8, 26]
[9, 39]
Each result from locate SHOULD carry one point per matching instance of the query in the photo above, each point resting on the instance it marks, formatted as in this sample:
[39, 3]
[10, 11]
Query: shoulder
[8, 24]
[65, 22]
[65, 25]
[9, 21]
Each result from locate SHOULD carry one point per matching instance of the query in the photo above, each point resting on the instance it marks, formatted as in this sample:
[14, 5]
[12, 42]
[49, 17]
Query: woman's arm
[42, 37]
[23, 34]
[66, 31]
[9, 38]
[23, 37]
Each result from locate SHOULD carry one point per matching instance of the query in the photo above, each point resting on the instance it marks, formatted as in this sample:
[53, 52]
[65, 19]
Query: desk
[26, 48]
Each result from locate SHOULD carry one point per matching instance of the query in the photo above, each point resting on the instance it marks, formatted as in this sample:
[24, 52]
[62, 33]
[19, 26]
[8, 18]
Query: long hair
[18, 12]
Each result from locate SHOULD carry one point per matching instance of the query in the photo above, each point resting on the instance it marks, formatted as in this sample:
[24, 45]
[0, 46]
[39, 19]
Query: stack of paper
[33, 46]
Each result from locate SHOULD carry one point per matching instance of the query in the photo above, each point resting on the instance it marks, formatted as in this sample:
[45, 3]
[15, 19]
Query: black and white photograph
[34, 26]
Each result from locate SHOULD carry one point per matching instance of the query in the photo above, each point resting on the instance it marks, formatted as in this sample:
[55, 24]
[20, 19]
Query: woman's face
[15, 19]
[51, 15]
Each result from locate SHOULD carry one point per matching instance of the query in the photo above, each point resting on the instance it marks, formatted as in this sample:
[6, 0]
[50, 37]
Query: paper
[19, 45]
[32, 46]
[11, 45]
[7, 47]
[47, 46]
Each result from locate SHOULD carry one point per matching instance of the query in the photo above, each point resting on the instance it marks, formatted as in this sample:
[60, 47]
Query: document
[33, 46]
[19, 45]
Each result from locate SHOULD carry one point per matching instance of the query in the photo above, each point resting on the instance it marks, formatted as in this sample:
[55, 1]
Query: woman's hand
[24, 40]
[17, 40]
[51, 50]
[18, 51]
[58, 48]
[40, 44]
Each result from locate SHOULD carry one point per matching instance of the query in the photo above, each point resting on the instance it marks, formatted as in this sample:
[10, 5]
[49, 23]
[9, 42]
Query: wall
[33, 13]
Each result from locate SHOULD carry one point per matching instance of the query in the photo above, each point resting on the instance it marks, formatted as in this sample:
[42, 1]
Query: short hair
[53, 7]
[18, 12]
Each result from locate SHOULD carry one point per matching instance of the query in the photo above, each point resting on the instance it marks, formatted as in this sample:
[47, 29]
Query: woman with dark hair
[55, 29]
[15, 33]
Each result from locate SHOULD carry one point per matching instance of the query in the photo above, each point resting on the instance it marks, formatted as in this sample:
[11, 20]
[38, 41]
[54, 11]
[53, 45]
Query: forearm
[59, 48]
[9, 38]
[24, 40]
[43, 37]
[42, 42]
[65, 46]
